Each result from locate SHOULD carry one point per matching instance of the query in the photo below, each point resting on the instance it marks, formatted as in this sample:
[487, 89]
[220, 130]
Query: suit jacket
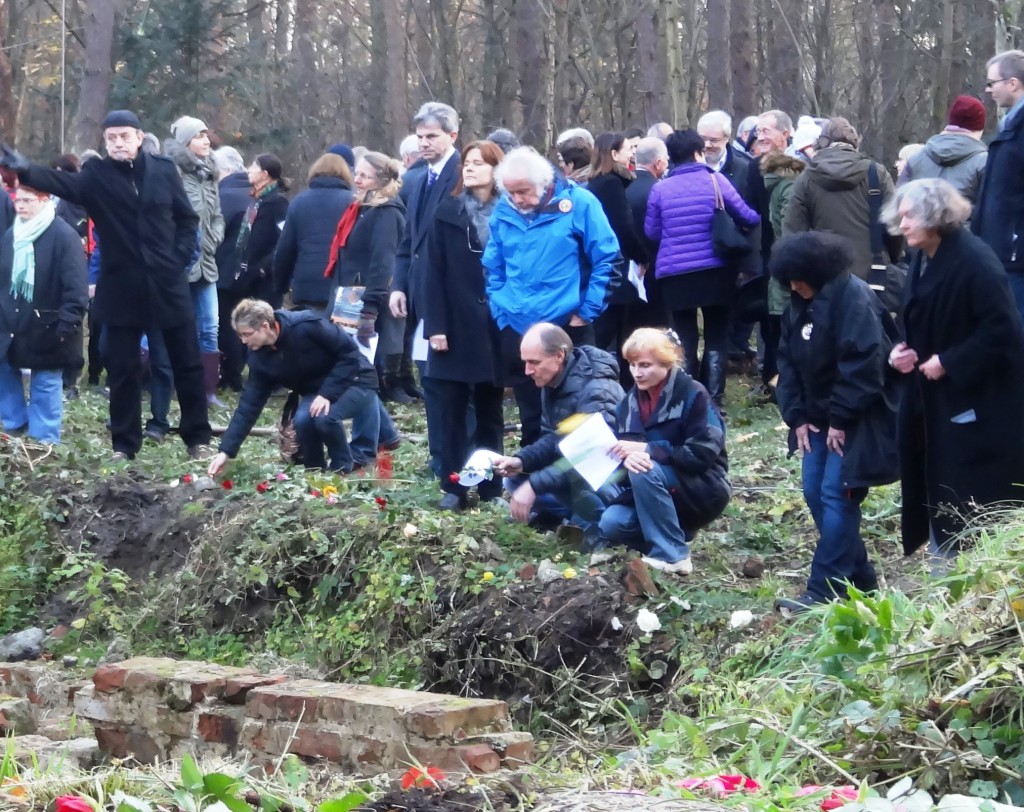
[419, 218]
[636, 196]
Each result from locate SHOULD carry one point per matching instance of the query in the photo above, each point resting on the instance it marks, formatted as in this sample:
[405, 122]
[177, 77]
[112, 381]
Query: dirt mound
[531, 643]
[136, 527]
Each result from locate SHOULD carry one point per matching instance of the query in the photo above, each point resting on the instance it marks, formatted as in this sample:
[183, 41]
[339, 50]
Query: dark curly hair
[682, 145]
[812, 257]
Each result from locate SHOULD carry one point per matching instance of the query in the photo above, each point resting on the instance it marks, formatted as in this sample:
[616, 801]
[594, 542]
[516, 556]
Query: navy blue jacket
[235, 197]
[998, 216]
[309, 228]
[589, 384]
[312, 357]
[685, 432]
[421, 204]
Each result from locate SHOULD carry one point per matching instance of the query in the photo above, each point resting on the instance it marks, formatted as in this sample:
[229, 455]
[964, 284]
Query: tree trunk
[395, 81]
[97, 75]
[651, 74]
[719, 97]
[532, 61]
[785, 49]
[741, 55]
[669, 17]
[944, 70]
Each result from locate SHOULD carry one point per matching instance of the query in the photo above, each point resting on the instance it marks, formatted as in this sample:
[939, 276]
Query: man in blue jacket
[302, 351]
[550, 258]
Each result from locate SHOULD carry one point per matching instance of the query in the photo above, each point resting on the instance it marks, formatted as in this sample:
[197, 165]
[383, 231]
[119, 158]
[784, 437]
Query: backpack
[887, 279]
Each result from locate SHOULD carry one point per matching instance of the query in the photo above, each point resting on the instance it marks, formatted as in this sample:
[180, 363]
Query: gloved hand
[366, 329]
[13, 159]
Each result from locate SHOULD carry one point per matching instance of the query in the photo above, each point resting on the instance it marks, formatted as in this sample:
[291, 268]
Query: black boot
[407, 378]
[715, 382]
[391, 390]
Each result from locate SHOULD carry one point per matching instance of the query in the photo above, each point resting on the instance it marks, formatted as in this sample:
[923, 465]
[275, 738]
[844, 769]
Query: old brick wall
[156, 708]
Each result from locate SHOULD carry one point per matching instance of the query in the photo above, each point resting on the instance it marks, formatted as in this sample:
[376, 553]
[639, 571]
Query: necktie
[431, 178]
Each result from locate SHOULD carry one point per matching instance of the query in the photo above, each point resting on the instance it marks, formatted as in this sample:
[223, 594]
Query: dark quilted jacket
[589, 385]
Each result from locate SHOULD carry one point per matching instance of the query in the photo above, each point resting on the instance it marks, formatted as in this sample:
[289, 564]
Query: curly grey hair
[933, 201]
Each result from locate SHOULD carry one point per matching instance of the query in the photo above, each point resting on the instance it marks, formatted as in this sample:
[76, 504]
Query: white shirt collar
[436, 168]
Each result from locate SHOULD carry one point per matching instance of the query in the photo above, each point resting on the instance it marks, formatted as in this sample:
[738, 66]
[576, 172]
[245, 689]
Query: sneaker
[791, 607]
[200, 451]
[605, 556]
[119, 456]
[71, 393]
[684, 566]
[155, 435]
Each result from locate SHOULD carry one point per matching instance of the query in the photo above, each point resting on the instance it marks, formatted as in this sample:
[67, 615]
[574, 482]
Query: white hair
[718, 119]
[409, 146]
[748, 124]
[576, 132]
[228, 159]
[438, 114]
[525, 163]
[649, 150]
[660, 130]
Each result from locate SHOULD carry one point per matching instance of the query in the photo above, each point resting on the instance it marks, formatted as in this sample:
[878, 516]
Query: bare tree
[98, 72]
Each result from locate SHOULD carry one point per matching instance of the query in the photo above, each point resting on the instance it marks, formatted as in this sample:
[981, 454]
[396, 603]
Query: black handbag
[727, 239]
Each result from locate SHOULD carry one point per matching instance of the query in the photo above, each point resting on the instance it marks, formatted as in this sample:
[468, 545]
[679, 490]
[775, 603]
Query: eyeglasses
[246, 334]
[992, 82]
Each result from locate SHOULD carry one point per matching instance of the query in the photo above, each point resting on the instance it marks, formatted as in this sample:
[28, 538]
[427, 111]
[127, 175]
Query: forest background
[294, 76]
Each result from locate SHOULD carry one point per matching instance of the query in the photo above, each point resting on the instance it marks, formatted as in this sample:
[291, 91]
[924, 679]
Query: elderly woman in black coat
[43, 299]
[838, 397]
[463, 342]
[961, 426]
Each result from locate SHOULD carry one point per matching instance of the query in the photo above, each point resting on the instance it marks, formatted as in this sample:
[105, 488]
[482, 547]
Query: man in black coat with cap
[148, 231]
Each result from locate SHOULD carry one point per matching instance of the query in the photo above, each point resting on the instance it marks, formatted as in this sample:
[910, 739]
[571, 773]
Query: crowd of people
[618, 280]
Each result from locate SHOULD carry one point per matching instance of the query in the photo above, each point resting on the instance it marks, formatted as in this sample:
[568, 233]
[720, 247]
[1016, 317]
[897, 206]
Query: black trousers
[124, 376]
[232, 350]
[457, 443]
[96, 360]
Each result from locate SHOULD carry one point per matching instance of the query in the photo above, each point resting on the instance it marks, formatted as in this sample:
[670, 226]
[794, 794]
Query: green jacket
[779, 172]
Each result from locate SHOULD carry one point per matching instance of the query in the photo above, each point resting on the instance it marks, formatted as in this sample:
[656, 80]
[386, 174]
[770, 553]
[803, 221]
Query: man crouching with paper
[672, 445]
[573, 381]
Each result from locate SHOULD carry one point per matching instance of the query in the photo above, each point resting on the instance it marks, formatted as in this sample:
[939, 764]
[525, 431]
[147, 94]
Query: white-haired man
[660, 130]
[576, 132]
[409, 151]
[550, 258]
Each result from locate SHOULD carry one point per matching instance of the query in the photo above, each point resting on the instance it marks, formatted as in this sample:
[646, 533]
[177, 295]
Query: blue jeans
[1017, 289]
[840, 555]
[575, 502]
[41, 416]
[650, 525]
[161, 382]
[369, 432]
[313, 433]
[204, 301]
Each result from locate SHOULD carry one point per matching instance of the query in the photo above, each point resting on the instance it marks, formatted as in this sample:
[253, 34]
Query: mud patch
[531, 644]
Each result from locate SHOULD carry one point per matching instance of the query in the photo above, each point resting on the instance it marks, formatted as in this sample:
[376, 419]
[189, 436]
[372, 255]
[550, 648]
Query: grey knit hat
[186, 128]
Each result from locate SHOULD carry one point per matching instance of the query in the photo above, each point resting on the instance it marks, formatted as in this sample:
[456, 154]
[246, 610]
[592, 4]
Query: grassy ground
[361, 579]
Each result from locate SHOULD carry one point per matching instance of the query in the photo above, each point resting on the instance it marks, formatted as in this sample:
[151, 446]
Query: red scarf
[345, 226]
[648, 401]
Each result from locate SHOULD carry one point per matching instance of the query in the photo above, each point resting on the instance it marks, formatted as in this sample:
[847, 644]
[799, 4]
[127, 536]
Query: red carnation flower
[187, 479]
[382, 503]
[314, 492]
[263, 487]
[73, 803]
[415, 777]
[453, 478]
[227, 484]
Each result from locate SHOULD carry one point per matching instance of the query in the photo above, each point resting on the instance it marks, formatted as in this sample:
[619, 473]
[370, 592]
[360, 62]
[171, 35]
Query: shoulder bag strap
[875, 206]
[719, 200]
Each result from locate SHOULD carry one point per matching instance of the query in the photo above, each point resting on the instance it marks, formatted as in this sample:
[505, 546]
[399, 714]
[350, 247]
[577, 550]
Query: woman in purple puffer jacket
[690, 275]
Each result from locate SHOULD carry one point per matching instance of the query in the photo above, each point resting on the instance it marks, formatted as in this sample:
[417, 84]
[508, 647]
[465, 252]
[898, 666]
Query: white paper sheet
[588, 449]
[478, 467]
[371, 351]
[420, 345]
[636, 280]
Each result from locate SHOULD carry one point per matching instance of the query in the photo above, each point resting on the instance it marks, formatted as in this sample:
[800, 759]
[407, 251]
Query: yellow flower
[330, 490]
[568, 572]
[487, 577]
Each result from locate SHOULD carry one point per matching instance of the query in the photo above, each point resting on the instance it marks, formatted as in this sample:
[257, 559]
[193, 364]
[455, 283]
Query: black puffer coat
[834, 372]
[589, 384]
[45, 333]
[685, 432]
[312, 357]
